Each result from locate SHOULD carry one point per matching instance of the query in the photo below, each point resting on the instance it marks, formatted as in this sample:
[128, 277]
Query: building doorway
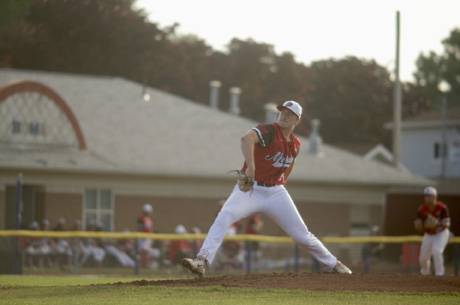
[33, 205]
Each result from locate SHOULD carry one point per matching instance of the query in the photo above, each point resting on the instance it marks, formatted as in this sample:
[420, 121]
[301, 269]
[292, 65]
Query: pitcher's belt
[265, 184]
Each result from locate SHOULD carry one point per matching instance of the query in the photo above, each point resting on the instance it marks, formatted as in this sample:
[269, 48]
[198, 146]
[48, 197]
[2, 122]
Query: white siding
[417, 151]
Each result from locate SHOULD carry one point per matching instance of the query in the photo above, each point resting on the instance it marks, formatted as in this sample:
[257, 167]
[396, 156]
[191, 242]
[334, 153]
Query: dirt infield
[330, 282]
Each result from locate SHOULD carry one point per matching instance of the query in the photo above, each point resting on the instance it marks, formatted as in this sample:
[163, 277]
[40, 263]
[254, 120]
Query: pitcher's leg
[237, 206]
[425, 254]
[283, 211]
[439, 244]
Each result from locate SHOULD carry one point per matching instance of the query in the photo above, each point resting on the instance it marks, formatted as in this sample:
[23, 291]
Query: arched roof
[30, 86]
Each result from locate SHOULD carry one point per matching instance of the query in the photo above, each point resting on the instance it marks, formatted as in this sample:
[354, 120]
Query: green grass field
[88, 290]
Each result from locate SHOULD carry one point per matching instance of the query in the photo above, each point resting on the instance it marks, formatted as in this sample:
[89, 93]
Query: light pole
[444, 88]
[397, 100]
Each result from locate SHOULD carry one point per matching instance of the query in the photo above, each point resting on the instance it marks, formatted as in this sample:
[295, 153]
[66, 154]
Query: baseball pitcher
[269, 151]
[433, 220]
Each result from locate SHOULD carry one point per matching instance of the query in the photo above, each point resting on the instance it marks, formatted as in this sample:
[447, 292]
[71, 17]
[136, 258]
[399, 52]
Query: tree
[82, 36]
[432, 68]
[352, 98]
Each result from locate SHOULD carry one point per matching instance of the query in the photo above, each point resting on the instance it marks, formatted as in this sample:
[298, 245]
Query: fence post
[248, 257]
[456, 258]
[136, 256]
[18, 256]
[296, 258]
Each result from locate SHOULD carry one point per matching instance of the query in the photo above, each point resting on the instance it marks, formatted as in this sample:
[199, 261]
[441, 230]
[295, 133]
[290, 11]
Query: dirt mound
[329, 282]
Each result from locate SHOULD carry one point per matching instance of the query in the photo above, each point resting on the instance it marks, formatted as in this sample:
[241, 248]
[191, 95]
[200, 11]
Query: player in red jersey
[433, 220]
[269, 152]
[147, 253]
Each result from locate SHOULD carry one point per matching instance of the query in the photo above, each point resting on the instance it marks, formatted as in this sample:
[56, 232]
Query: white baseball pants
[274, 202]
[433, 245]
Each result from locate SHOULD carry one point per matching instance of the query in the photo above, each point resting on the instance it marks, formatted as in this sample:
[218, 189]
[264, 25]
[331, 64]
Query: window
[436, 150]
[98, 209]
[34, 128]
[15, 126]
[439, 150]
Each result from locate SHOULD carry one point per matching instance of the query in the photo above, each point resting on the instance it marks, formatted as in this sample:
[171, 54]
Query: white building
[422, 139]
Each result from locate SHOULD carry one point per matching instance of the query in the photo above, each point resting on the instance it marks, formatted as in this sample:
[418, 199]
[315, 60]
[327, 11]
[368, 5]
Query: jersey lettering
[280, 160]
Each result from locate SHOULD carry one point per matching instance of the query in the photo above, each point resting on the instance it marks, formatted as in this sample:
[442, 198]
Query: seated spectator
[119, 256]
[121, 251]
[93, 249]
[196, 243]
[46, 246]
[370, 250]
[254, 226]
[62, 250]
[76, 245]
[179, 249]
[230, 256]
[32, 248]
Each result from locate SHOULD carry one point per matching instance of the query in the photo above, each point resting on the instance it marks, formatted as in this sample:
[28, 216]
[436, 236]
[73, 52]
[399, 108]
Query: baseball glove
[245, 183]
[430, 222]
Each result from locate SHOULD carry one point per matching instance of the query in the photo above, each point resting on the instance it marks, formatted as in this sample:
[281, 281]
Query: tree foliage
[351, 96]
[433, 68]
[353, 99]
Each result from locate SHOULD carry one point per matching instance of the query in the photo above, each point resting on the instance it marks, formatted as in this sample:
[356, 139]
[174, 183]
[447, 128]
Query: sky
[315, 30]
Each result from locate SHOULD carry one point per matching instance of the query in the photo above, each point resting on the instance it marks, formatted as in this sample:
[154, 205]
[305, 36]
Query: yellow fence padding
[241, 237]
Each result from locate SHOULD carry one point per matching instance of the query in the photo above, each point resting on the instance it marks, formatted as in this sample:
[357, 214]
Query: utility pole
[397, 101]
[444, 88]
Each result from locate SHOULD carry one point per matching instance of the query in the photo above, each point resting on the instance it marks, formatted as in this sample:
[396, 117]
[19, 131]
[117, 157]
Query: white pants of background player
[274, 202]
[433, 245]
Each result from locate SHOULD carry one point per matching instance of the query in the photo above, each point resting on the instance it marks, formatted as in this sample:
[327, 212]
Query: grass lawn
[68, 290]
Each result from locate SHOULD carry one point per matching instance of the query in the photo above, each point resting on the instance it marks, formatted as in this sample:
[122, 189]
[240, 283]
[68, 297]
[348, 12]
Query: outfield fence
[88, 251]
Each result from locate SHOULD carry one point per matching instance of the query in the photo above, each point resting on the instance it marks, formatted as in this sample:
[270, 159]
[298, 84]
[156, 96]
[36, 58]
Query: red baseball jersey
[273, 155]
[254, 224]
[145, 224]
[439, 211]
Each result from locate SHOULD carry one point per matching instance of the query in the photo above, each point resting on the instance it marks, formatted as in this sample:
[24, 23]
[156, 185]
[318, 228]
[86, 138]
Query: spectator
[93, 250]
[32, 248]
[370, 250]
[230, 255]
[46, 246]
[126, 245]
[62, 249]
[254, 226]
[147, 253]
[77, 245]
[196, 243]
[121, 257]
[179, 249]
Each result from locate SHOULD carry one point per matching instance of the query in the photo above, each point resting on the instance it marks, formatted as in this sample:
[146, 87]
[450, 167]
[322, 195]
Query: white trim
[259, 135]
[379, 150]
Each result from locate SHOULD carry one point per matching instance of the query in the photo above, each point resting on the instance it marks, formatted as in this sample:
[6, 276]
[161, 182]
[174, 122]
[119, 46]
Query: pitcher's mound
[331, 282]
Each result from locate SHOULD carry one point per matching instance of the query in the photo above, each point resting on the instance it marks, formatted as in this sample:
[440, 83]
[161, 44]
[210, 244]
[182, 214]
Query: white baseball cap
[147, 208]
[293, 106]
[430, 191]
[180, 229]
